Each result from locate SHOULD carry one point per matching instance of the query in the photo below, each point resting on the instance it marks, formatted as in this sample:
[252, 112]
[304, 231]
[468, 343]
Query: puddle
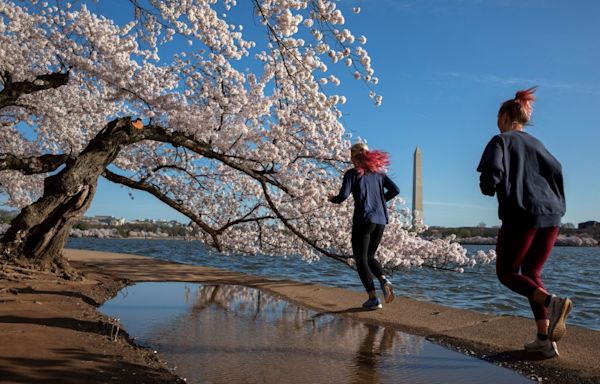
[234, 334]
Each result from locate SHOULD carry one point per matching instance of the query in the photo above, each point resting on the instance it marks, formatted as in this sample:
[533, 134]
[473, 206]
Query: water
[233, 334]
[570, 271]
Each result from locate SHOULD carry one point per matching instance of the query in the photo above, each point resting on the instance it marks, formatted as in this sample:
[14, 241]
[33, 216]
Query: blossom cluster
[263, 148]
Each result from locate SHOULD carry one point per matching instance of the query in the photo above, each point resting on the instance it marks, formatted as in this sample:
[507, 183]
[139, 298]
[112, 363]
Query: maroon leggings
[524, 249]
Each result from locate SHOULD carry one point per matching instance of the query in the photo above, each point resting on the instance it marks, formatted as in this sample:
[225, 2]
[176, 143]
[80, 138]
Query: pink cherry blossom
[249, 156]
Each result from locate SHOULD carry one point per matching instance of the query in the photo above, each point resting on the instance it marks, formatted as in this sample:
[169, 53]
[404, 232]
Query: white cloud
[523, 82]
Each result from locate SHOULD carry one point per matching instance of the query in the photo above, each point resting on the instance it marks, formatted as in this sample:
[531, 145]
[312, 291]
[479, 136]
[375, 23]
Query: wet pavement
[235, 334]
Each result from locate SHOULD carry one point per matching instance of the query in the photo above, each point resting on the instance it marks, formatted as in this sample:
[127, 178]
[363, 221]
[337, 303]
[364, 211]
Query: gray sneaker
[558, 310]
[546, 348]
[388, 291]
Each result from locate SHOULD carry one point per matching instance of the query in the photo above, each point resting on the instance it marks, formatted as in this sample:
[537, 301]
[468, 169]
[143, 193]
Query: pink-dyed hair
[369, 161]
[520, 108]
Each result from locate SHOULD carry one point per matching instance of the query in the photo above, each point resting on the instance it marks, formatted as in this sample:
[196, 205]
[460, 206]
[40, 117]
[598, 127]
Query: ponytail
[520, 108]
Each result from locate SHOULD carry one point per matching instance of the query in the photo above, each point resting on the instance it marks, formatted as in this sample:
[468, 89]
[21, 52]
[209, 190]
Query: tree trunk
[38, 234]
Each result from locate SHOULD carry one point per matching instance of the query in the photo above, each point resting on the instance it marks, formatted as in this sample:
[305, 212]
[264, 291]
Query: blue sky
[444, 68]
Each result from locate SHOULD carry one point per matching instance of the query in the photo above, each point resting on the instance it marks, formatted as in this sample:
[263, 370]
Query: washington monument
[417, 202]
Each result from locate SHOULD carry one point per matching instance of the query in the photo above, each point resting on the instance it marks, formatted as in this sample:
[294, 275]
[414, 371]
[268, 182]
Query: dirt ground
[51, 332]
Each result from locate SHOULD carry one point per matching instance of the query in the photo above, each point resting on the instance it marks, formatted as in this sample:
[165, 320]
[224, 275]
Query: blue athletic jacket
[369, 195]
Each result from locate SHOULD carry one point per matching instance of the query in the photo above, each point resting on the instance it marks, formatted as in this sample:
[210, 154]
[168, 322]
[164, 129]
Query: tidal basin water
[570, 271]
[234, 334]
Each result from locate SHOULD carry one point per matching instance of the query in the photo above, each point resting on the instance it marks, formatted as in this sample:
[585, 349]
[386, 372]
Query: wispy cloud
[525, 82]
[398, 5]
[457, 205]
[452, 6]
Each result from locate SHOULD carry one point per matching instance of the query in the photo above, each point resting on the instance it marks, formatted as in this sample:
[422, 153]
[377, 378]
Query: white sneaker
[546, 347]
[558, 310]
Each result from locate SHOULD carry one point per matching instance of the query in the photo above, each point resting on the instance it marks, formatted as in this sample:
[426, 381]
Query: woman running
[371, 189]
[528, 183]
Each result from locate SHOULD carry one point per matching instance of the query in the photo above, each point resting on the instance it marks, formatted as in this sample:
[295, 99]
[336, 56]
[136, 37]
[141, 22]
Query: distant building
[104, 220]
[588, 224]
[117, 222]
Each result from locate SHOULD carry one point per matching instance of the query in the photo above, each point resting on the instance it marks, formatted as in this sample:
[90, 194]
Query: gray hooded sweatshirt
[526, 179]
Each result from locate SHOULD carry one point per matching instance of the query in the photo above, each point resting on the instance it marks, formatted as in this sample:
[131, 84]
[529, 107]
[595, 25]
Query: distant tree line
[461, 232]
[480, 233]
[132, 229]
[6, 216]
[170, 229]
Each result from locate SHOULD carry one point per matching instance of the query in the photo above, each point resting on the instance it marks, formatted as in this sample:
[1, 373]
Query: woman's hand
[331, 196]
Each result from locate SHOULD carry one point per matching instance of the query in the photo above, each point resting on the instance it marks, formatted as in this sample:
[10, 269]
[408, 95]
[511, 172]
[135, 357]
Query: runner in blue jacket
[371, 188]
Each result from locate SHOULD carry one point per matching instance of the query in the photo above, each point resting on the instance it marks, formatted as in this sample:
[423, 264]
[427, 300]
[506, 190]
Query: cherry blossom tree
[243, 137]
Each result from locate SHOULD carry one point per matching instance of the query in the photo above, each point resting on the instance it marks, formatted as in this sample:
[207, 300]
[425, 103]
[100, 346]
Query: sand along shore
[51, 331]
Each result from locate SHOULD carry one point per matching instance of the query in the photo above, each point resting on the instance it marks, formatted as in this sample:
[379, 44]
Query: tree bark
[38, 234]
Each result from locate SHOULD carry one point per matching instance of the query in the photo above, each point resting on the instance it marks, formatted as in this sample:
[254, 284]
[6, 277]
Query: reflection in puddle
[234, 334]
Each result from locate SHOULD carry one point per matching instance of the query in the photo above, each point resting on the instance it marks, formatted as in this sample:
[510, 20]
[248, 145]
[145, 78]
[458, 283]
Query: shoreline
[52, 332]
[497, 339]
[491, 241]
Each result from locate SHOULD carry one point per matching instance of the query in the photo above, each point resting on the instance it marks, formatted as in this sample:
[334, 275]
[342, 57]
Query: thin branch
[178, 168]
[286, 222]
[156, 192]
[246, 219]
[157, 133]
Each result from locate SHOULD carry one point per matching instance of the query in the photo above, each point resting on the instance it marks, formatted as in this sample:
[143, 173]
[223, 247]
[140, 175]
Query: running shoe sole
[372, 304]
[378, 306]
[388, 293]
[559, 328]
[549, 352]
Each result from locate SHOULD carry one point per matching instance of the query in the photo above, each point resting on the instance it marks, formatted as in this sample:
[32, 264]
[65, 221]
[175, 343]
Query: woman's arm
[491, 166]
[391, 189]
[345, 190]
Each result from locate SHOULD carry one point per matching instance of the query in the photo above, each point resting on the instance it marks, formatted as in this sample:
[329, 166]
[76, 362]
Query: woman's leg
[512, 247]
[374, 265]
[532, 268]
[361, 237]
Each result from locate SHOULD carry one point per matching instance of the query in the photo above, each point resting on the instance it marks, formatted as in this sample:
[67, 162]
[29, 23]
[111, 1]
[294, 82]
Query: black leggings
[365, 240]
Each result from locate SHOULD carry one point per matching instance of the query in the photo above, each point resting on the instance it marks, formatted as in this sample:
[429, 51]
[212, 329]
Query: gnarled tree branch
[32, 165]
[13, 90]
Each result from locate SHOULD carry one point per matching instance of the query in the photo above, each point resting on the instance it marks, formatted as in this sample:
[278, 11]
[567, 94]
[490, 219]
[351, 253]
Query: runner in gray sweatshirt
[528, 182]
[526, 178]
